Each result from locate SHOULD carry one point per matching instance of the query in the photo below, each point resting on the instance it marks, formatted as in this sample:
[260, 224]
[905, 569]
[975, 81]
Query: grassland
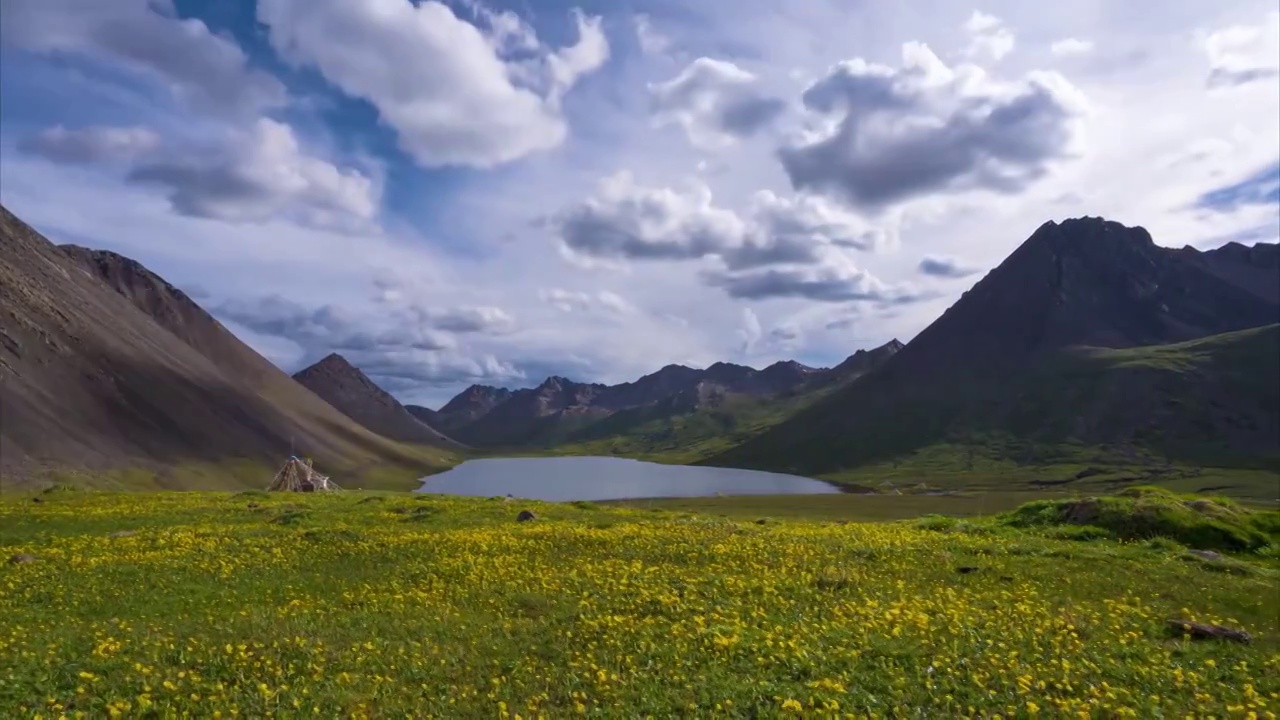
[374, 605]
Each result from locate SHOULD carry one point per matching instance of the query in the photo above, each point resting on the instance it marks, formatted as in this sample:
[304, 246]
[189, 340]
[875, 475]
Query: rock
[1207, 555]
[21, 559]
[525, 516]
[1205, 631]
[123, 533]
[966, 569]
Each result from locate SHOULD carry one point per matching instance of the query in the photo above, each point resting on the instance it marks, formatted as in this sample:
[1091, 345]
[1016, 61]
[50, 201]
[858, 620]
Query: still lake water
[560, 479]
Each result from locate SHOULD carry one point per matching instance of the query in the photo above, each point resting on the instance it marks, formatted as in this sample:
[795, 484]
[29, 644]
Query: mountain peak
[348, 389]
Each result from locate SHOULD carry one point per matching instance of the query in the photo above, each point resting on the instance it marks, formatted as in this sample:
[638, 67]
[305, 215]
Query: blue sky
[495, 192]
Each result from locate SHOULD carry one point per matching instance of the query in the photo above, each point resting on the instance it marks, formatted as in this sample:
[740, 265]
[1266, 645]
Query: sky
[460, 192]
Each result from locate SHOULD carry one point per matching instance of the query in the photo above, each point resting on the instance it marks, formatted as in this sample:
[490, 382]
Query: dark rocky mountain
[862, 362]
[469, 405]
[105, 366]
[1082, 283]
[560, 409]
[426, 415]
[345, 387]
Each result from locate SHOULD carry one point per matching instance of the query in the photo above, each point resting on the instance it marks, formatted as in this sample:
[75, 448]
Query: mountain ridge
[559, 409]
[1085, 282]
[109, 369]
[348, 389]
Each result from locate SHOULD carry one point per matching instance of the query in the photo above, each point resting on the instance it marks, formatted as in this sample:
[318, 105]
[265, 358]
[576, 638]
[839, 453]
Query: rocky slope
[105, 366]
[345, 387]
[1083, 283]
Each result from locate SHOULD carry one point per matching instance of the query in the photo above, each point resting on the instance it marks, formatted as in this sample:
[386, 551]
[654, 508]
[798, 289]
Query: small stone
[1207, 555]
[21, 559]
[525, 516]
[966, 569]
[123, 533]
[1205, 631]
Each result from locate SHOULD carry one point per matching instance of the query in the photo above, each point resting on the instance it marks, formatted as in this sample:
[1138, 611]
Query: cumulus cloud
[327, 328]
[945, 267]
[989, 38]
[90, 145]
[651, 41]
[402, 370]
[836, 279]
[470, 319]
[884, 135]
[1071, 46]
[261, 174]
[203, 69]
[625, 220]
[716, 103]
[439, 81]
[1242, 54]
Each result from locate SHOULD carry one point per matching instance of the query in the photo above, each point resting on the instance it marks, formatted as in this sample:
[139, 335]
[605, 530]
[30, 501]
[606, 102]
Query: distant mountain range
[1088, 344]
[1089, 341]
[562, 410]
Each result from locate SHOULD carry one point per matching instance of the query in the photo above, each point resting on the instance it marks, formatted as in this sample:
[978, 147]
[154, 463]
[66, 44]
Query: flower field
[378, 606]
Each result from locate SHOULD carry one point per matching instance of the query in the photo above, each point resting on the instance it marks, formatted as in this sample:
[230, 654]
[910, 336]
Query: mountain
[345, 387]
[539, 415]
[1021, 357]
[468, 405]
[862, 362]
[562, 411]
[105, 368]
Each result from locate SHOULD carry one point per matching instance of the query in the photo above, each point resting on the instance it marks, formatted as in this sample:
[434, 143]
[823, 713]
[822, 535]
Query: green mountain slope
[1212, 401]
[659, 433]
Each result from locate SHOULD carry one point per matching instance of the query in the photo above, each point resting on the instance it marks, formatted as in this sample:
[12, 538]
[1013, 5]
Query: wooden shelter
[297, 475]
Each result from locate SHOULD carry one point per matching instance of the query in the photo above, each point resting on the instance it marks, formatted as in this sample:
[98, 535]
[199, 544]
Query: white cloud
[260, 174]
[469, 319]
[1071, 46]
[945, 267]
[625, 220]
[579, 301]
[205, 70]
[989, 38]
[435, 78]
[91, 145]
[1241, 54]
[891, 134]
[716, 103]
[570, 64]
[651, 41]
[750, 332]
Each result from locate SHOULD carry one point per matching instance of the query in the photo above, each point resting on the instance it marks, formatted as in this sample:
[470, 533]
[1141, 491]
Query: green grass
[379, 605]
[851, 507]
[1141, 513]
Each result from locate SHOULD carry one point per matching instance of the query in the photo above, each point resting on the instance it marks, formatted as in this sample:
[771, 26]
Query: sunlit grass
[385, 605]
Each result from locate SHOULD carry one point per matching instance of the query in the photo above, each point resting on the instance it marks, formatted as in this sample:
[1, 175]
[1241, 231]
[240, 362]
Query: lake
[561, 479]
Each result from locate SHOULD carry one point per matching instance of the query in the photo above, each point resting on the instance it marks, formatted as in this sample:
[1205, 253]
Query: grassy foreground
[381, 605]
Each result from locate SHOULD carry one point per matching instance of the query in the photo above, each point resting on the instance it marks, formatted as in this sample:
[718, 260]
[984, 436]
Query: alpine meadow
[539, 359]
